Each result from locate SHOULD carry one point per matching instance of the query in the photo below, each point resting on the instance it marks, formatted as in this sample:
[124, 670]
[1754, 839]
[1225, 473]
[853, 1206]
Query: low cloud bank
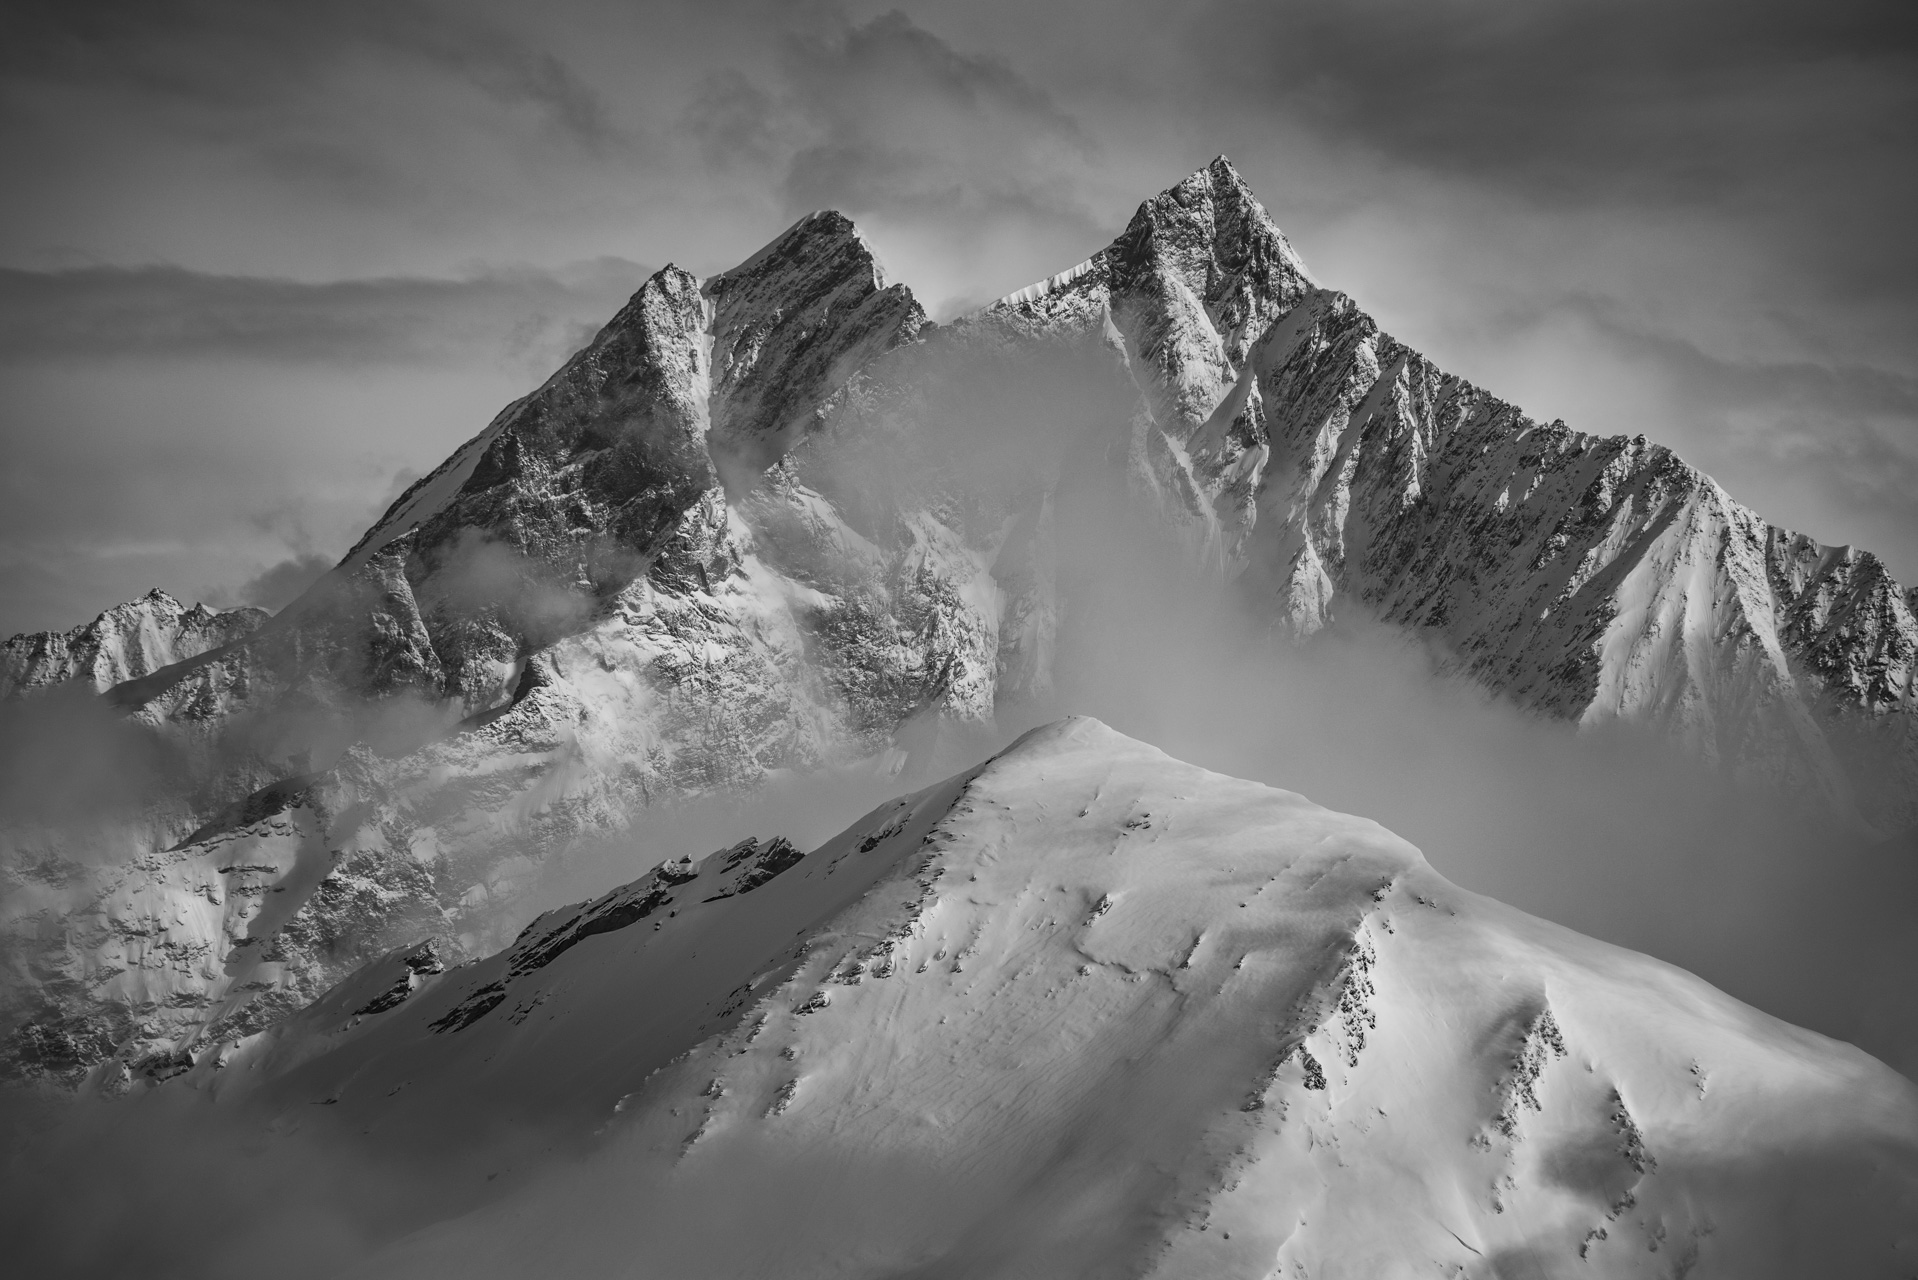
[524, 315]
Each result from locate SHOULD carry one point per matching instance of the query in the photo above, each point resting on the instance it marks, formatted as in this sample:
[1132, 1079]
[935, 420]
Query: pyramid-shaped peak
[1216, 202]
[1210, 233]
[824, 239]
[1217, 182]
[788, 325]
[1206, 235]
[1221, 176]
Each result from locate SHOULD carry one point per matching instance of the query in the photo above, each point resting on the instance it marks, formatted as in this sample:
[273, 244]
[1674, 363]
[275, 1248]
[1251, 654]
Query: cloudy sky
[262, 264]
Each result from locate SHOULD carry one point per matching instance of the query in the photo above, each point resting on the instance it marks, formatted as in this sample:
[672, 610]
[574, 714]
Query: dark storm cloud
[736, 120]
[1790, 125]
[96, 313]
[1584, 95]
[1860, 423]
[910, 120]
[229, 56]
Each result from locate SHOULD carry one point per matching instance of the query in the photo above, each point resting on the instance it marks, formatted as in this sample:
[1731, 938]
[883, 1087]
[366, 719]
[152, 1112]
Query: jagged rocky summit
[124, 643]
[776, 519]
[1084, 1010]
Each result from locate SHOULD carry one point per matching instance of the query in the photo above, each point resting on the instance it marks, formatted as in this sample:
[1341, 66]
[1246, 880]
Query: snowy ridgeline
[1085, 1010]
[734, 536]
[124, 643]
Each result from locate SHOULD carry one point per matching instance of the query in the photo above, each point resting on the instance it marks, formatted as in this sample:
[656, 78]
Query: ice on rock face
[773, 520]
[1257, 1035]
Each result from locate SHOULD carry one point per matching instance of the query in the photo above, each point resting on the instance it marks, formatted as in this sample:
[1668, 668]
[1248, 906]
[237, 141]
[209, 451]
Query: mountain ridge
[139, 638]
[755, 526]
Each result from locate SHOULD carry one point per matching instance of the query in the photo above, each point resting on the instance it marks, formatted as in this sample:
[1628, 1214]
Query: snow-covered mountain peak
[1087, 1010]
[1215, 235]
[1297, 446]
[123, 643]
[631, 399]
[1206, 241]
[823, 232]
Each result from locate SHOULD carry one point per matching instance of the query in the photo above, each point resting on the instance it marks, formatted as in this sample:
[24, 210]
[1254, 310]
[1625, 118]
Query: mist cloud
[529, 316]
[882, 91]
[1850, 430]
[279, 585]
[229, 57]
[69, 762]
[1585, 99]
[895, 126]
[175, 1187]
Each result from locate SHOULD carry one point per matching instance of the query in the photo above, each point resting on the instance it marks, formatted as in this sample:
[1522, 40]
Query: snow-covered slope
[1086, 1010]
[124, 643]
[776, 520]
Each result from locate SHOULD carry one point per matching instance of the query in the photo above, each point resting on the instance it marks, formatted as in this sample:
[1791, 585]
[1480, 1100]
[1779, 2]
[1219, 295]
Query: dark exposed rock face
[775, 519]
[792, 324]
[746, 866]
